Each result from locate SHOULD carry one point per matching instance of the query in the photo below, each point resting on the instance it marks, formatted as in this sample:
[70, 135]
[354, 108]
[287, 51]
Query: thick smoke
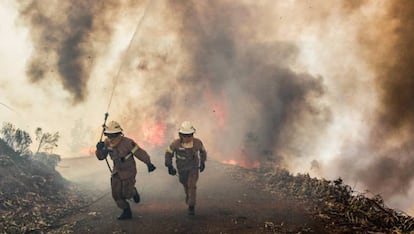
[387, 155]
[67, 36]
[236, 88]
[242, 88]
[263, 81]
[267, 100]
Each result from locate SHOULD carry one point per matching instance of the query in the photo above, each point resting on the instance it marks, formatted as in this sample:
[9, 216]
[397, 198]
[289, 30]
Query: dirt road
[223, 204]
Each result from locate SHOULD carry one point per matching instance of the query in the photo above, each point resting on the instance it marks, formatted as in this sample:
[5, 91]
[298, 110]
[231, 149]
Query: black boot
[126, 214]
[191, 210]
[137, 198]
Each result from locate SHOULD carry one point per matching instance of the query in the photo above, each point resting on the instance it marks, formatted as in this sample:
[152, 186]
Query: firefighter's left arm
[203, 157]
[142, 155]
[203, 154]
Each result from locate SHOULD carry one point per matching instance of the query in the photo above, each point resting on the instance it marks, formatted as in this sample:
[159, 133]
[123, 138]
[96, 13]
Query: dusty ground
[223, 204]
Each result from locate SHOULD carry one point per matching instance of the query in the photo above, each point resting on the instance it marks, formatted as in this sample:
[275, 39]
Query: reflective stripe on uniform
[132, 152]
[128, 156]
[180, 157]
[169, 150]
[134, 149]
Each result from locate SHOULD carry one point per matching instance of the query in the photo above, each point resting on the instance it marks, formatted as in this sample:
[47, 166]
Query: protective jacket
[187, 156]
[122, 156]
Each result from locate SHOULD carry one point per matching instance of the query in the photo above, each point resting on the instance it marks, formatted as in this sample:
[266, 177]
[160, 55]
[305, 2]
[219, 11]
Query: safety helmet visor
[112, 135]
[186, 135]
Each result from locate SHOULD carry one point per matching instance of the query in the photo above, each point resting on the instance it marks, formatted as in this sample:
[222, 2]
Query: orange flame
[242, 162]
[87, 151]
[153, 133]
[230, 161]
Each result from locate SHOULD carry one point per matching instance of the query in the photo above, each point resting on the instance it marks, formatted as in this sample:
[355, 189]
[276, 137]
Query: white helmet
[113, 127]
[186, 128]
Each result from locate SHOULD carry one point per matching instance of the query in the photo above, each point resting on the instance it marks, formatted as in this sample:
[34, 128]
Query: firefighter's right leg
[183, 177]
[136, 197]
[119, 198]
[126, 214]
[192, 190]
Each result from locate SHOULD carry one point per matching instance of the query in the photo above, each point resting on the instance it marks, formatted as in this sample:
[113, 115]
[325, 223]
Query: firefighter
[122, 150]
[190, 156]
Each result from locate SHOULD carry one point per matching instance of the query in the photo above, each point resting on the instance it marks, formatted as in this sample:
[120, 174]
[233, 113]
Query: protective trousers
[188, 179]
[122, 189]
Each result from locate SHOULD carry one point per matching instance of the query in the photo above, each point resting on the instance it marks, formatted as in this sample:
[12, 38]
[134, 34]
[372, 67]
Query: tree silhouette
[47, 141]
[17, 139]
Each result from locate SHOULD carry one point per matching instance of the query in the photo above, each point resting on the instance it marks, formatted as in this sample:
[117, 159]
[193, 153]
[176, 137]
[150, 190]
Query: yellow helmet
[186, 128]
[113, 127]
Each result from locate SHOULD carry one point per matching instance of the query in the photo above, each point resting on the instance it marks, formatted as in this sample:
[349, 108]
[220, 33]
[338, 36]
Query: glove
[202, 166]
[172, 171]
[100, 145]
[151, 167]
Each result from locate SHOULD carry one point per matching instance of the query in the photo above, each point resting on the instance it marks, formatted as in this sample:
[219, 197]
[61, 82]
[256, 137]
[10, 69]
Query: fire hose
[119, 71]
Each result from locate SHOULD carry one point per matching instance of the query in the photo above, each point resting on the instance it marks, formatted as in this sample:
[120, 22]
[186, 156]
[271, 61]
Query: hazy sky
[282, 82]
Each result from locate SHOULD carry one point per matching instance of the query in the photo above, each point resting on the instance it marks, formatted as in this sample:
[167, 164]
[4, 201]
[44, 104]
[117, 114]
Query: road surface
[224, 205]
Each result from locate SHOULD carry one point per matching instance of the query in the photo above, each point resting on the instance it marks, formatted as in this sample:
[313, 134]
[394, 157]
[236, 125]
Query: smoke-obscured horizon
[319, 87]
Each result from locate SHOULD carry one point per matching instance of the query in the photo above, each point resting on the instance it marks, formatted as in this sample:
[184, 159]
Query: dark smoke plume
[67, 36]
[396, 74]
[265, 102]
